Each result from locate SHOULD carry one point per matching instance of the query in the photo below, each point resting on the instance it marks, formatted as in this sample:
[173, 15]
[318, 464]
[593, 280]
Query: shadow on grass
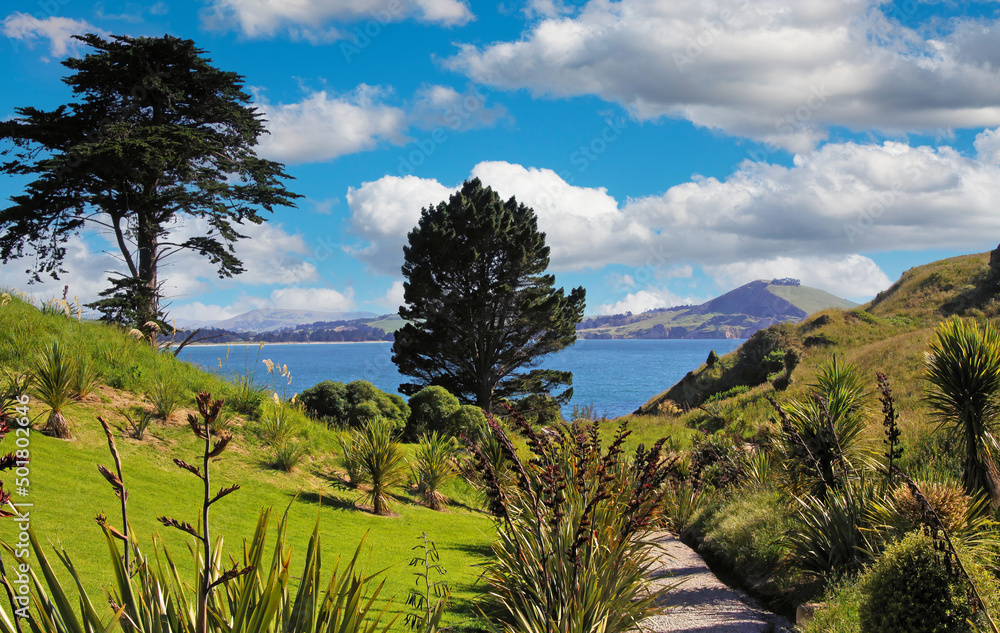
[326, 501]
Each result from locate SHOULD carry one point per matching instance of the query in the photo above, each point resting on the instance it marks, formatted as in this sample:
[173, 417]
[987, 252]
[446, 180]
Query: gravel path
[702, 603]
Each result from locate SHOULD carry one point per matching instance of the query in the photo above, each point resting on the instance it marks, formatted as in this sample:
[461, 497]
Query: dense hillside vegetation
[762, 526]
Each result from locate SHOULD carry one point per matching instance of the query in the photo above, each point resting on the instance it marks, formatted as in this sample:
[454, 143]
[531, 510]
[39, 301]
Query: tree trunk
[148, 246]
[56, 426]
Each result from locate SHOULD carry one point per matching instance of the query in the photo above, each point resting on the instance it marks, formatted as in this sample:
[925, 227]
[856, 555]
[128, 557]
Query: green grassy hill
[736, 314]
[889, 334]
[67, 491]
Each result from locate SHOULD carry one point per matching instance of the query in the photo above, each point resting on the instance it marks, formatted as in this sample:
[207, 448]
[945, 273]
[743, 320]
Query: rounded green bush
[326, 400]
[466, 420]
[353, 404]
[910, 590]
[430, 410]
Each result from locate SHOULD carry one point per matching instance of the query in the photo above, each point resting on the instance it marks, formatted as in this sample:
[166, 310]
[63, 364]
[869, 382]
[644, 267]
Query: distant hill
[889, 334]
[268, 319]
[736, 314]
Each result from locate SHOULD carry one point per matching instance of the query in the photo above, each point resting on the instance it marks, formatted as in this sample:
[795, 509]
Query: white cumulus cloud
[324, 126]
[779, 71]
[57, 30]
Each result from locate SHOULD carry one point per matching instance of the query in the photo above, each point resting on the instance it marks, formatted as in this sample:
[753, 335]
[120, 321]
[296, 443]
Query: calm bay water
[616, 376]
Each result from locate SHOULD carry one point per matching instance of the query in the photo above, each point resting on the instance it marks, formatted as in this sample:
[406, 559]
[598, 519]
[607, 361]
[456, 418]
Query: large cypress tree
[157, 135]
[480, 305]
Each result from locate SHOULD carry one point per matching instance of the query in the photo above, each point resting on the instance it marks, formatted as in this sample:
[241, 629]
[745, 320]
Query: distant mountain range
[269, 319]
[736, 314]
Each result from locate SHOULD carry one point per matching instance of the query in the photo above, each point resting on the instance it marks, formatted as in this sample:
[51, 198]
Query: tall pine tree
[480, 306]
[158, 135]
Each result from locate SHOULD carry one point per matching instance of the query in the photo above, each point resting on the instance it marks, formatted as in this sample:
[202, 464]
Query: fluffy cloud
[322, 127]
[384, 211]
[305, 19]
[643, 301]
[779, 71]
[323, 299]
[584, 227]
[58, 31]
[86, 263]
[812, 220]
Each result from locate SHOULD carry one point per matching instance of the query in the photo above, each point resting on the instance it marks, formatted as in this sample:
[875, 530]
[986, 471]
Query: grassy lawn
[67, 492]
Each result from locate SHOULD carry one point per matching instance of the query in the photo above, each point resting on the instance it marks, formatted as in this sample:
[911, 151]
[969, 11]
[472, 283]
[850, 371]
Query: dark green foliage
[824, 435]
[712, 359]
[351, 405]
[479, 304]
[744, 535]
[157, 135]
[910, 590]
[431, 410]
[728, 393]
[571, 553]
[326, 400]
[762, 354]
[539, 408]
[716, 460]
[828, 539]
[466, 420]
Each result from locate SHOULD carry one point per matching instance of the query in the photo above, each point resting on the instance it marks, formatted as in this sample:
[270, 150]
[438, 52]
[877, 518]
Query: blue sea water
[616, 376]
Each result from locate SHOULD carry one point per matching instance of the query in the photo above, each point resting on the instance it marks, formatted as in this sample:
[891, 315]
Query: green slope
[810, 300]
[889, 334]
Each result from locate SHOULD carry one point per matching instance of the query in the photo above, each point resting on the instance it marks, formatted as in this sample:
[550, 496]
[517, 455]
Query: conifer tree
[480, 306]
[157, 138]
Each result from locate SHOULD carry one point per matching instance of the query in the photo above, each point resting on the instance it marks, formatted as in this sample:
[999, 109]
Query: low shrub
[86, 378]
[353, 404]
[910, 589]
[137, 421]
[465, 420]
[748, 531]
[246, 395]
[52, 378]
[430, 411]
[840, 615]
[728, 393]
[166, 396]
[570, 553]
[288, 454]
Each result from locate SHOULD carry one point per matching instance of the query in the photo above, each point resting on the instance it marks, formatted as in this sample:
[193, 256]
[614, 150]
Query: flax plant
[53, 378]
[435, 458]
[381, 461]
[202, 429]
[573, 551]
[963, 369]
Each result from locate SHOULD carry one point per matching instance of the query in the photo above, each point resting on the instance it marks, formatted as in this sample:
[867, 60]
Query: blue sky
[672, 149]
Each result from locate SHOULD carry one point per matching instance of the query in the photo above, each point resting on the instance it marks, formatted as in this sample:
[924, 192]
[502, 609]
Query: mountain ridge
[735, 314]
